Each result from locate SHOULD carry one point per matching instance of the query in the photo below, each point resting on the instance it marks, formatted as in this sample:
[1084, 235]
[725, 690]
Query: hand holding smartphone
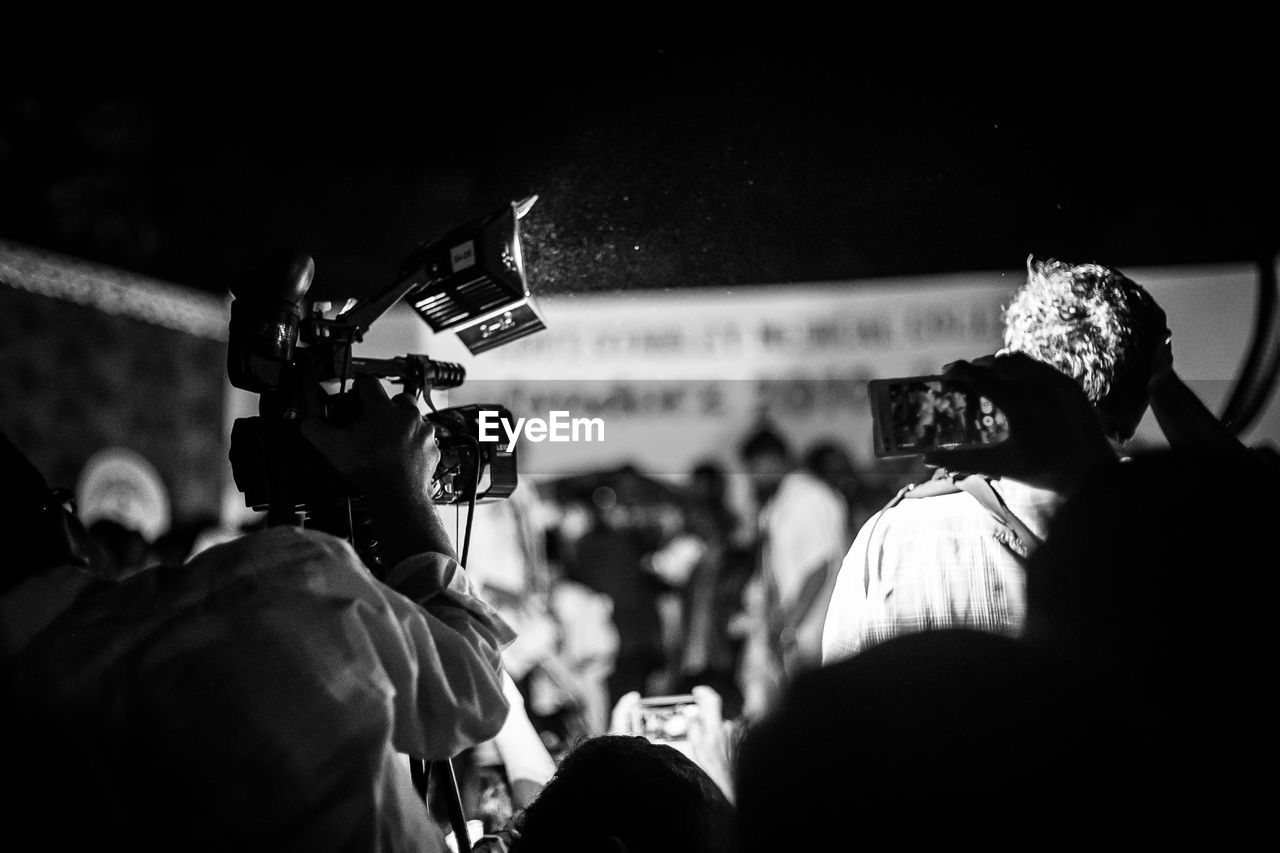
[1042, 429]
[691, 723]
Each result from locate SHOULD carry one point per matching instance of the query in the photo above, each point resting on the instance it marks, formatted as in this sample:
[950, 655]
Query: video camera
[471, 281]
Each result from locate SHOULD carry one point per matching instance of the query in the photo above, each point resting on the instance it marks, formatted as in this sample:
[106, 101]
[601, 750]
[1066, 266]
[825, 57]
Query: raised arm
[1184, 419]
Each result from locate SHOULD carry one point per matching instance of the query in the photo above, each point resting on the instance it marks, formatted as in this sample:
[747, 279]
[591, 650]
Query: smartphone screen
[665, 719]
[918, 414]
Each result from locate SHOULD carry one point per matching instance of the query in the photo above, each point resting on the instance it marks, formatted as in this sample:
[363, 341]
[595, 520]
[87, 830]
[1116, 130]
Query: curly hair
[1094, 324]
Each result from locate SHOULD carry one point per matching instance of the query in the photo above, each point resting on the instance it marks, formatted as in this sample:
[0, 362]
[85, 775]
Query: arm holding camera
[263, 689]
[390, 453]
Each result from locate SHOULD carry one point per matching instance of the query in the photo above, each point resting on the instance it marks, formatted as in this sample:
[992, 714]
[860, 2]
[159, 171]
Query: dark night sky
[670, 162]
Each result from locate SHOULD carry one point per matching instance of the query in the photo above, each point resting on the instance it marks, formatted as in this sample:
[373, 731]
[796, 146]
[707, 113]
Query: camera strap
[1021, 539]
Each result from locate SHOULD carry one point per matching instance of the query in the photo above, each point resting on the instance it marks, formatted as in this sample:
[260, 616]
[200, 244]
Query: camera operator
[257, 696]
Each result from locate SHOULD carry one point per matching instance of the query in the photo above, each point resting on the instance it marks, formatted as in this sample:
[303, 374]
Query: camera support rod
[362, 315]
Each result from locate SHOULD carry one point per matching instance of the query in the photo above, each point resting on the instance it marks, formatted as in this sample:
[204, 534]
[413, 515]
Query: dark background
[665, 162]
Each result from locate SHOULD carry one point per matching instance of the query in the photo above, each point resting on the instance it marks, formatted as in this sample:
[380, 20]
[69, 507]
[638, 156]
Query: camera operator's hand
[389, 446]
[390, 454]
[1055, 433]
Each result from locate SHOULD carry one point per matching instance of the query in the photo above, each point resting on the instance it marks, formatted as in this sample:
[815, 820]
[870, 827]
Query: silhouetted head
[122, 550]
[1095, 325]
[37, 524]
[623, 794]
[942, 739]
[830, 462]
[708, 482]
[766, 456]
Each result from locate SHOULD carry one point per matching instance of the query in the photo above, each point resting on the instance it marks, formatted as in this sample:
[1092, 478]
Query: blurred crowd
[621, 582]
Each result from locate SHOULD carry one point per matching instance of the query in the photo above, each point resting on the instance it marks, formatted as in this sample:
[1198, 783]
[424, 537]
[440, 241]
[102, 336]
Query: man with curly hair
[950, 553]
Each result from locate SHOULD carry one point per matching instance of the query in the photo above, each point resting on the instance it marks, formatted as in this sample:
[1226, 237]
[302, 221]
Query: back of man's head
[1097, 326]
[764, 441]
[931, 740]
[625, 794]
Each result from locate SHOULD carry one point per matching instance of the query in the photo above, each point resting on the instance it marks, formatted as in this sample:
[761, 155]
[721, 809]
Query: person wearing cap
[122, 501]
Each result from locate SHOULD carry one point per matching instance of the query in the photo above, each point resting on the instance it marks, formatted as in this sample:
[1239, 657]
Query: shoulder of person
[1018, 493]
[937, 496]
[281, 540]
[1015, 513]
[283, 555]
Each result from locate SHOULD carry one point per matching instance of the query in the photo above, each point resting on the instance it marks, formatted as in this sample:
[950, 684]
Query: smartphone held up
[913, 415]
[664, 720]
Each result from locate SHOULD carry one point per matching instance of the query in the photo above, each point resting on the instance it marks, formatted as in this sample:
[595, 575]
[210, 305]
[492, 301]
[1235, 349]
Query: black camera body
[301, 362]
